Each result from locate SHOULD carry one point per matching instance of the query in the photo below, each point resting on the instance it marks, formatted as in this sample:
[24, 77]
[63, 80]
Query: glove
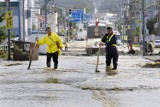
[101, 43]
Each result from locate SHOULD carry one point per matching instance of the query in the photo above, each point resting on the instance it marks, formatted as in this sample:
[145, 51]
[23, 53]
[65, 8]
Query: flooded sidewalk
[75, 83]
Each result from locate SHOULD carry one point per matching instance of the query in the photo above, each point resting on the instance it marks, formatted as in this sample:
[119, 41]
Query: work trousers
[54, 56]
[112, 53]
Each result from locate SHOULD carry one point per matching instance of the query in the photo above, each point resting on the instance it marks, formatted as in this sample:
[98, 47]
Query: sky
[100, 5]
[10, 0]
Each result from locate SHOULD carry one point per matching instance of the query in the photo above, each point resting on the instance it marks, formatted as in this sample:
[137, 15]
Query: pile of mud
[137, 52]
[152, 65]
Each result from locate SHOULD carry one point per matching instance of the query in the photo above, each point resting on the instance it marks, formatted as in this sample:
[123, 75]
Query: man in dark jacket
[110, 41]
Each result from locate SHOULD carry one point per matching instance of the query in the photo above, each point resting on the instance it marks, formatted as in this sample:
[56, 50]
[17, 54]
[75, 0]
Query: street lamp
[143, 25]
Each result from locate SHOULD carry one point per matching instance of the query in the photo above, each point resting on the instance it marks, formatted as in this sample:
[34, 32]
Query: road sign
[77, 16]
[133, 26]
[9, 19]
[87, 17]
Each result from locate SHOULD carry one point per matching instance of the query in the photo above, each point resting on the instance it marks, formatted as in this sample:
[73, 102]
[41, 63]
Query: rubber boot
[114, 69]
[108, 67]
[48, 64]
[55, 66]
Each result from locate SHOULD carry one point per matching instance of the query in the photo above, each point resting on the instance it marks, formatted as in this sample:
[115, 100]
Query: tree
[2, 17]
[150, 25]
[3, 34]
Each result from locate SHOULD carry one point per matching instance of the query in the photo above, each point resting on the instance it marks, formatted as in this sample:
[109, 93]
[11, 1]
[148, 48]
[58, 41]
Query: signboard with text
[9, 19]
[87, 17]
[77, 15]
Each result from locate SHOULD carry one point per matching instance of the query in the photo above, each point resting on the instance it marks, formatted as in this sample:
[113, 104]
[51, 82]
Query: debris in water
[52, 80]
[13, 64]
[152, 65]
[95, 62]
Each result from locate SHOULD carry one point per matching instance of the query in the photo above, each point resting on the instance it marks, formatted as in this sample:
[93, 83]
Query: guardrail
[5, 47]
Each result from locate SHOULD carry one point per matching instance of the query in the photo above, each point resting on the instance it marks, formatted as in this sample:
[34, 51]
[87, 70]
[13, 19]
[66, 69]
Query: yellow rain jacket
[51, 44]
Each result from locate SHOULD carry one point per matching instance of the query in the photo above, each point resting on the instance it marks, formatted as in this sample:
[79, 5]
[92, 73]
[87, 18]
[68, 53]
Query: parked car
[157, 43]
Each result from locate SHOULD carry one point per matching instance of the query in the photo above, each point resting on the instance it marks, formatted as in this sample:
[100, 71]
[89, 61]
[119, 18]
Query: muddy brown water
[152, 65]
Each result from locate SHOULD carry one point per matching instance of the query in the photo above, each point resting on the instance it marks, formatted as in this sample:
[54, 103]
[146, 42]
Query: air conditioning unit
[156, 25]
[156, 12]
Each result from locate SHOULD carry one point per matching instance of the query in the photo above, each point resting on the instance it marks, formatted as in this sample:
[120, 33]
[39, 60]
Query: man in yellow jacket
[54, 45]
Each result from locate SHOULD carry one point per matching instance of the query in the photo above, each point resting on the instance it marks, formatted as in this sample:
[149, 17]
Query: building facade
[24, 16]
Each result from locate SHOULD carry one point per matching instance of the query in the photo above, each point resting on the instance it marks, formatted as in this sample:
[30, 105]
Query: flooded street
[84, 30]
[75, 83]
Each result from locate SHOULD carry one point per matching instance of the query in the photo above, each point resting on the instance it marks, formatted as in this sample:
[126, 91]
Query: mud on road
[75, 83]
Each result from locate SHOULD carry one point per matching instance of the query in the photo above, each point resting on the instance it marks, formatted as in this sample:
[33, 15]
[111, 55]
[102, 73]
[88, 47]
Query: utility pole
[124, 22]
[64, 20]
[158, 19]
[45, 13]
[129, 20]
[143, 25]
[23, 21]
[140, 24]
[9, 52]
[58, 18]
[19, 20]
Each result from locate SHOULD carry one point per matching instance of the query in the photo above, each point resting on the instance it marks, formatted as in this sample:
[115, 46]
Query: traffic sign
[9, 19]
[87, 17]
[139, 20]
[77, 16]
[133, 26]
